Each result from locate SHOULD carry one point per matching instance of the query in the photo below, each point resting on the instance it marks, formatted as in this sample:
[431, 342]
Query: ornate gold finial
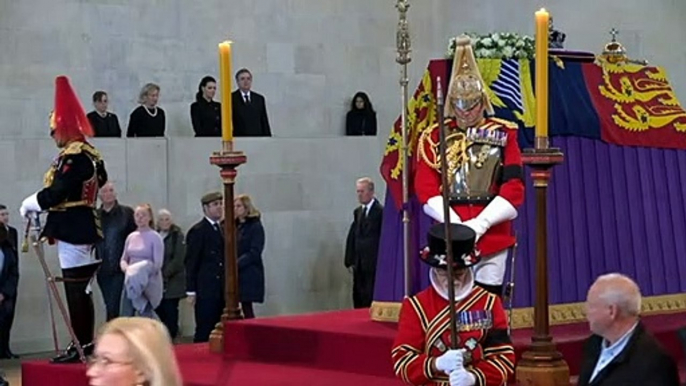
[614, 52]
[403, 44]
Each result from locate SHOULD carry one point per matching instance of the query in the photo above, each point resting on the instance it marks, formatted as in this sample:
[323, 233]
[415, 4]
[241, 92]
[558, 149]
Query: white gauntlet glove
[497, 211]
[462, 377]
[30, 204]
[434, 209]
[450, 361]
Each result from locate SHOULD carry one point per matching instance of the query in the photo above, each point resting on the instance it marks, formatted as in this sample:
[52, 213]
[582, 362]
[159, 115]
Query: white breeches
[72, 256]
[491, 269]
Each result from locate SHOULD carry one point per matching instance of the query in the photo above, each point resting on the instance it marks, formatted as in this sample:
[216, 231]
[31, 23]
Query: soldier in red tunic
[484, 169]
[421, 352]
[69, 196]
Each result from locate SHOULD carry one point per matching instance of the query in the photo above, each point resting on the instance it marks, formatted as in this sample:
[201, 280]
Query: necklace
[148, 111]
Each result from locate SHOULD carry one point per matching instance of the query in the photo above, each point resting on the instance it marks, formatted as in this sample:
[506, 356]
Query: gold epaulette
[79, 147]
[505, 122]
[73, 148]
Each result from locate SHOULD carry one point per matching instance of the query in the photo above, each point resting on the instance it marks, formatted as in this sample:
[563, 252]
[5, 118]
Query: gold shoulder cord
[435, 162]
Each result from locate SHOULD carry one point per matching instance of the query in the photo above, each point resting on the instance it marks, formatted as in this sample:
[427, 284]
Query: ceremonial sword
[50, 279]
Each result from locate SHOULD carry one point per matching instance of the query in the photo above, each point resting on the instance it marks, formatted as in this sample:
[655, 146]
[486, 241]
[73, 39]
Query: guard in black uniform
[69, 196]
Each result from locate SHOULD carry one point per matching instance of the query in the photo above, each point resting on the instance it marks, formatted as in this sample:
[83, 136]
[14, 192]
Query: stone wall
[308, 58]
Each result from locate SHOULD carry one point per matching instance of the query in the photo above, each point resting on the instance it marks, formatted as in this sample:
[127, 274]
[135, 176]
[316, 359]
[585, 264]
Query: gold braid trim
[456, 151]
[434, 162]
[71, 149]
[505, 122]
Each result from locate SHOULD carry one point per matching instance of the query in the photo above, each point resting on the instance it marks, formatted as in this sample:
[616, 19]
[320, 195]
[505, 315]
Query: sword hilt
[35, 219]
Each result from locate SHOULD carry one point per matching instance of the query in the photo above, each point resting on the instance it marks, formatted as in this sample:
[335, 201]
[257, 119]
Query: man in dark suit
[249, 109]
[362, 244]
[5, 221]
[205, 266]
[9, 279]
[621, 352]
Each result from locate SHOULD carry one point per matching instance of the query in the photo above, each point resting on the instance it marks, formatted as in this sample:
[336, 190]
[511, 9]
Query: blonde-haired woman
[133, 351]
[147, 120]
[250, 234]
[141, 263]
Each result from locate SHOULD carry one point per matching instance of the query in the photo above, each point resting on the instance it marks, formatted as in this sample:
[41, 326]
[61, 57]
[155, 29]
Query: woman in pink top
[141, 263]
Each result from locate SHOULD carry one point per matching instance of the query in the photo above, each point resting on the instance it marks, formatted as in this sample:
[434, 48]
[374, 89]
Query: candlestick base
[541, 143]
[542, 364]
[228, 161]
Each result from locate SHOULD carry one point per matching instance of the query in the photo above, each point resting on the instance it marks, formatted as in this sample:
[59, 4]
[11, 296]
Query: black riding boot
[81, 311]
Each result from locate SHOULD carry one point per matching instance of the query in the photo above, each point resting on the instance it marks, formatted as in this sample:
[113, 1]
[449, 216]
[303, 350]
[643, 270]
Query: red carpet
[335, 348]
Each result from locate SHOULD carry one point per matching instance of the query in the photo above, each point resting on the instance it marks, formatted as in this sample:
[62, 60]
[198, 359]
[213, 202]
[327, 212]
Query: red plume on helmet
[68, 121]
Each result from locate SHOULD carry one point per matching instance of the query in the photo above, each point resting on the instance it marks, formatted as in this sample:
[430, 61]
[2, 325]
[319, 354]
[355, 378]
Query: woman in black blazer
[250, 234]
[205, 112]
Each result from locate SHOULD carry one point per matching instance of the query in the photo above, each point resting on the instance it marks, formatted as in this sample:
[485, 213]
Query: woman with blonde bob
[251, 239]
[133, 352]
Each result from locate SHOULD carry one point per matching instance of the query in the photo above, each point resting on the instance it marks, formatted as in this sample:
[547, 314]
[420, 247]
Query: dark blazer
[642, 362]
[13, 237]
[360, 122]
[105, 127]
[76, 224]
[250, 267]
[9, 276]
[362, 244]
[9, 280]
[250, 119]
[116, 225]
[205, 261]
[173, 270]
[206, 118]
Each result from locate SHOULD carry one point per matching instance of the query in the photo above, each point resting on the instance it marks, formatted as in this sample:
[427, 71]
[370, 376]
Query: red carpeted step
[345, 345]
[42, 373]
[349, 341]
[341, 341]
[261, 374]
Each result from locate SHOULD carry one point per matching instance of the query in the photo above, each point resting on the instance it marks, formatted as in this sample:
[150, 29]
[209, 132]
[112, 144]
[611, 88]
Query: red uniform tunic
[510, 186]
[424, 335]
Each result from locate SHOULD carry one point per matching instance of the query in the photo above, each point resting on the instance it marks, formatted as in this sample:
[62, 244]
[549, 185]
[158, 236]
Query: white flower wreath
[498, 46]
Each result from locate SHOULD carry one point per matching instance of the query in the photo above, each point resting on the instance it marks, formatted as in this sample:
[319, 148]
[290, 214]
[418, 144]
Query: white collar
[443, 292]
[620, 342]
[212, 222]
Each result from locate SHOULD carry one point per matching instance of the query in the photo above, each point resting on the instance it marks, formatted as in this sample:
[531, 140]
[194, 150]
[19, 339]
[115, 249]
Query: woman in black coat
[250, 234]
[205, 111]
[361, 119]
